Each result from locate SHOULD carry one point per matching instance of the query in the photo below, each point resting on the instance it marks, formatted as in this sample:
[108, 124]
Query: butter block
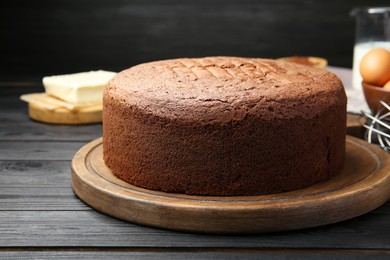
[84, 88]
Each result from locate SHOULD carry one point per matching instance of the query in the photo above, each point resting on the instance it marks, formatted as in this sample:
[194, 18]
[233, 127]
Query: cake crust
[224, 126]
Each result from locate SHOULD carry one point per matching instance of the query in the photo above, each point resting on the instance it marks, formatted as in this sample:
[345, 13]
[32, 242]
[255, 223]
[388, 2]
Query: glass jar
[372, 31]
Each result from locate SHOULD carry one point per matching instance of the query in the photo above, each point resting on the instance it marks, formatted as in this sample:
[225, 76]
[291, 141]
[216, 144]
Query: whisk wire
[378, 128]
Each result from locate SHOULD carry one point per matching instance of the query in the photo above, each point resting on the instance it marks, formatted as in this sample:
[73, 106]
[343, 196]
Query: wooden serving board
[46, 109]
[362, 186]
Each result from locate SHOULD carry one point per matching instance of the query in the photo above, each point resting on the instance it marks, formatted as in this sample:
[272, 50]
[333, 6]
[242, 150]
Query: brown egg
[387, 85]
[375, 67]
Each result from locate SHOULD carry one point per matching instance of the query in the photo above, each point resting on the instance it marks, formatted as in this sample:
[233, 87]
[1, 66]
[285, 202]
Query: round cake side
[224, 126]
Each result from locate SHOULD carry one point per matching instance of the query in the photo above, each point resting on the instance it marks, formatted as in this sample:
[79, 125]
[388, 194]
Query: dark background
[46, 37]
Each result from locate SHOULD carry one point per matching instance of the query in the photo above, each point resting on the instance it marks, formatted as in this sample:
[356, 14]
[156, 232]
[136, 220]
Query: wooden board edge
[225, 221]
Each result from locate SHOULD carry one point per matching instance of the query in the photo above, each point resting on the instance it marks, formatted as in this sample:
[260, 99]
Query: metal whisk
[378, 127]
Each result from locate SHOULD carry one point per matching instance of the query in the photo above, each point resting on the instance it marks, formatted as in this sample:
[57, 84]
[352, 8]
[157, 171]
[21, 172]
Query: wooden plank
[37, 185]
[34, 185]
[99, 254]
[42, 199]
[46, 186]
[14, 115]
[50, 199]
[34, 174]
[16, 150]
[153, 253]
[28, 130]
[92, 229]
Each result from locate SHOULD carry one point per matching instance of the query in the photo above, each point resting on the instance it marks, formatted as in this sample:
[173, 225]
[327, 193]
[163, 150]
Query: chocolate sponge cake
[224, 126]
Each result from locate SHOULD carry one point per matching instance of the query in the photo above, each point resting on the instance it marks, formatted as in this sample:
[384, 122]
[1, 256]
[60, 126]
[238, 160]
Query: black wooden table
[40, 217]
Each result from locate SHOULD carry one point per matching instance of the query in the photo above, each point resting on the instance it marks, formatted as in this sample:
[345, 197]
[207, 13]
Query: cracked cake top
[224, 89]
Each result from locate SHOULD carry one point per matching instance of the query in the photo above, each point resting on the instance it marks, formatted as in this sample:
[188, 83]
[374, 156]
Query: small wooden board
[362, 186]
[46, 109]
